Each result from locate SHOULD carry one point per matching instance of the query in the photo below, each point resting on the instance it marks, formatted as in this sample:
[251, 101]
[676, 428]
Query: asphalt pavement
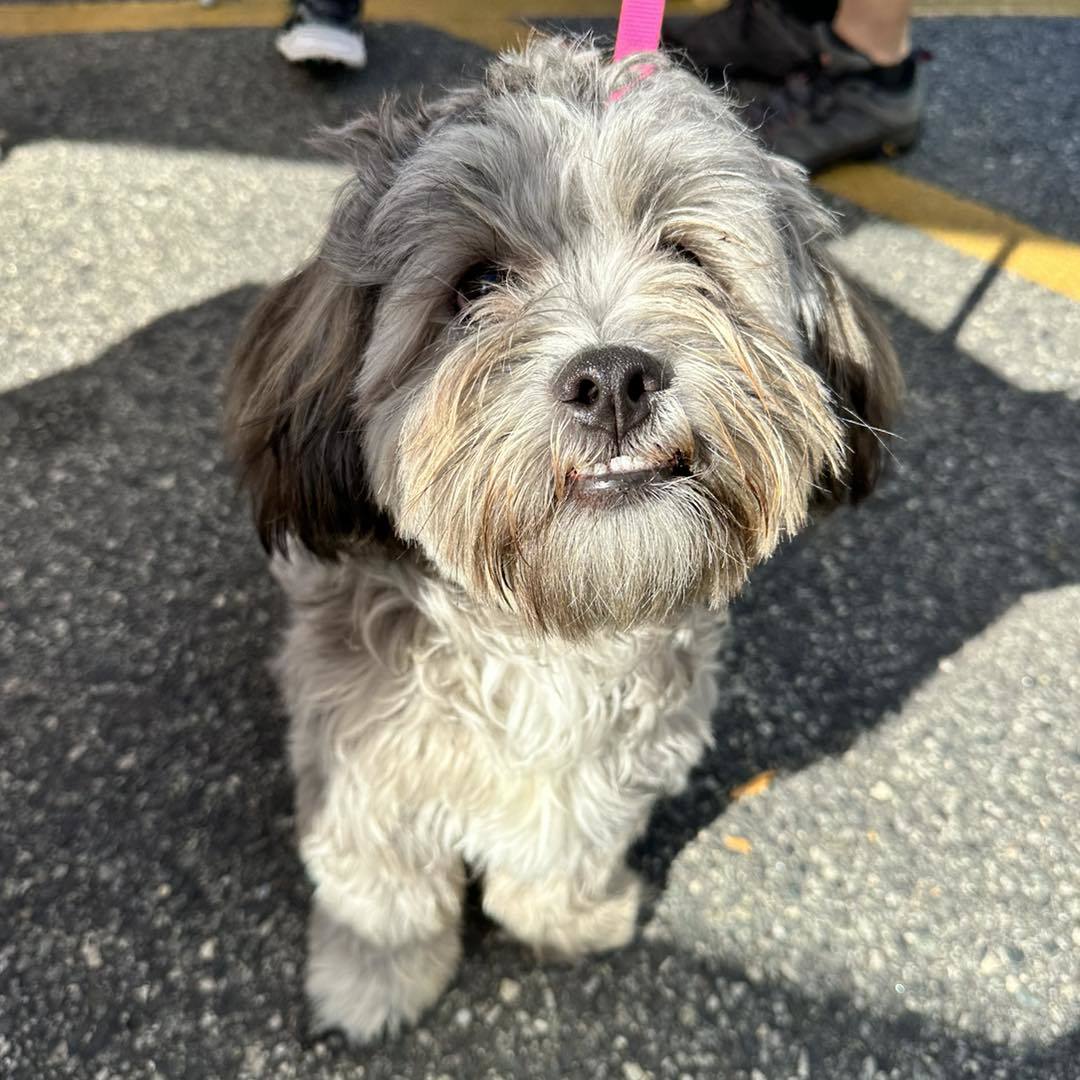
[902, 900]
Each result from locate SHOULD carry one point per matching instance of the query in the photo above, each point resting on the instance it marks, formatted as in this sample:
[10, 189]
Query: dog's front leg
[591, 907]
[385, 937]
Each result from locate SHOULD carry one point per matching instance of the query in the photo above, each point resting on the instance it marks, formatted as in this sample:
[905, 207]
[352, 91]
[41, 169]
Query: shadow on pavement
[225, 90]
[982, 505]
[145, 840]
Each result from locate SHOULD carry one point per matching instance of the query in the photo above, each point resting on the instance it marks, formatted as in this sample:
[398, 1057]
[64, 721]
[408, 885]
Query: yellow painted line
[964, 226]
[983, 9]
[34, 20]
[495, 24]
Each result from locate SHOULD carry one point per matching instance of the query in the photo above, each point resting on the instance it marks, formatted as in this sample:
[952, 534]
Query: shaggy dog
[571, 359]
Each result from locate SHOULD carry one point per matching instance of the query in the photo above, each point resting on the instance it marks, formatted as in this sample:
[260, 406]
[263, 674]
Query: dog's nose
[611, 388]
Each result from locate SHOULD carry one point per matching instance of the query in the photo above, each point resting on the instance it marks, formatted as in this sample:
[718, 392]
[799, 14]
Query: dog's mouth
[623, 475]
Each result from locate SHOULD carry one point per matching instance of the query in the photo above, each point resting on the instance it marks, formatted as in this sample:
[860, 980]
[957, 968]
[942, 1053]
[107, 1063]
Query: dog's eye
[476, 282]
[681, 251]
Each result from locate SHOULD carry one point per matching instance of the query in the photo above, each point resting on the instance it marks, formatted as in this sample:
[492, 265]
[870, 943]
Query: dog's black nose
[610, 388]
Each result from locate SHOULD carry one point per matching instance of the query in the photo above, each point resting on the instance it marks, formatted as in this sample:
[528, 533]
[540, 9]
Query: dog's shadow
[143, 736]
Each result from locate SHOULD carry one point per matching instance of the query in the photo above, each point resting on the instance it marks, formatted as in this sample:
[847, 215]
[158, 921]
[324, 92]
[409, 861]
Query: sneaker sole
[319, 43]
[895, 144]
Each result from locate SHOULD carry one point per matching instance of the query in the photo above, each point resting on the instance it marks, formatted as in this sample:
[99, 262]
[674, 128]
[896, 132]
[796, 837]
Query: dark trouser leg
[335, 10]
[811, 10]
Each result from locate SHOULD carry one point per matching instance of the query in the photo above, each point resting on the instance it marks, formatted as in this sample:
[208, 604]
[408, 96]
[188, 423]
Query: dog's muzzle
[610, 391]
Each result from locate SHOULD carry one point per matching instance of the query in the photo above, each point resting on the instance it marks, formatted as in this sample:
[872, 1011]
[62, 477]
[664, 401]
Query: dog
[571, 359]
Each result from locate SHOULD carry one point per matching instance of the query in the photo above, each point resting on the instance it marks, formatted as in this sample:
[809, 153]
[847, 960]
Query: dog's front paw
[559, 922]
[364, 990]
[600, 925]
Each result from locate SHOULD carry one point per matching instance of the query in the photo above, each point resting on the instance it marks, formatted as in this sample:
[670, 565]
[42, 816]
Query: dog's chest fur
[478, 738]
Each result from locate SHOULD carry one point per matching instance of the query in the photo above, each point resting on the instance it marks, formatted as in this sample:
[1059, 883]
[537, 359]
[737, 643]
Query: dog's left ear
[844, 339]
[291, 414]
[290, 422]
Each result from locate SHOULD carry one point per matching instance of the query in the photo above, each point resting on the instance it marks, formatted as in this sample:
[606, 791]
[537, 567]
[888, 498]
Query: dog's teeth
[627, 464]
[621, 464]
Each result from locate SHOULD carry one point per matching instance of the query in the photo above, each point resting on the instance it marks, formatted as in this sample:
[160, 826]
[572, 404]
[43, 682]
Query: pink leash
[639, 32]
[639, 27]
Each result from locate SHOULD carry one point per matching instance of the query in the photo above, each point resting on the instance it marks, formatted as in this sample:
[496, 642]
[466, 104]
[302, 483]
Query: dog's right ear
[290, 421]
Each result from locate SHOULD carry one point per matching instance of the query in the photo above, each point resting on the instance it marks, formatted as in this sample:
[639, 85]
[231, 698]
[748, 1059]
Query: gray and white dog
[567, 364]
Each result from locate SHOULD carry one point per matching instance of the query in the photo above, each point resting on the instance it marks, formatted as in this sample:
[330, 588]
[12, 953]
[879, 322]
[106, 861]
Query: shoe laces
[808, 94]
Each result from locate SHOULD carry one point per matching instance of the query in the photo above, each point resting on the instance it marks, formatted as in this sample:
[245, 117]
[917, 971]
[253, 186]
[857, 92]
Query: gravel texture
[902, 901]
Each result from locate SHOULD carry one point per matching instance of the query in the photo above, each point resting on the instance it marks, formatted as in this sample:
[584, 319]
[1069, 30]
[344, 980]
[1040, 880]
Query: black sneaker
[309, 38]
[842, 107]
[756, 39]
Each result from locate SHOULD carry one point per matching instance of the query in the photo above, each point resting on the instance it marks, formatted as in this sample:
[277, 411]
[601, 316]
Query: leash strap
[639, 27]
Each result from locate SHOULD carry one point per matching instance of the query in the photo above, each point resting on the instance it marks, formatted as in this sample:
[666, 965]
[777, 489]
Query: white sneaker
[304, 39]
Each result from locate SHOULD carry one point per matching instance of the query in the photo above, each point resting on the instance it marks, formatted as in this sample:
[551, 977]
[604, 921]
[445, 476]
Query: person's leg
[861, 97]
[324, 31]
[843, 86]
[342, 11]
[880, 31]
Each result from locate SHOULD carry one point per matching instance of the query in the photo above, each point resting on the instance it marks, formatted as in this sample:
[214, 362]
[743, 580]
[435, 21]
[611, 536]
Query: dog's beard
[619, 567]
[491, 484]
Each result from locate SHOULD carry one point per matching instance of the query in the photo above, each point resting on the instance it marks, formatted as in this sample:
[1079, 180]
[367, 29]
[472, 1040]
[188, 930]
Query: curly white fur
[427, 733]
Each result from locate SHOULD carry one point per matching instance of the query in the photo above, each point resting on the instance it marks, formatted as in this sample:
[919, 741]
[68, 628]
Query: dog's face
[587, 354]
